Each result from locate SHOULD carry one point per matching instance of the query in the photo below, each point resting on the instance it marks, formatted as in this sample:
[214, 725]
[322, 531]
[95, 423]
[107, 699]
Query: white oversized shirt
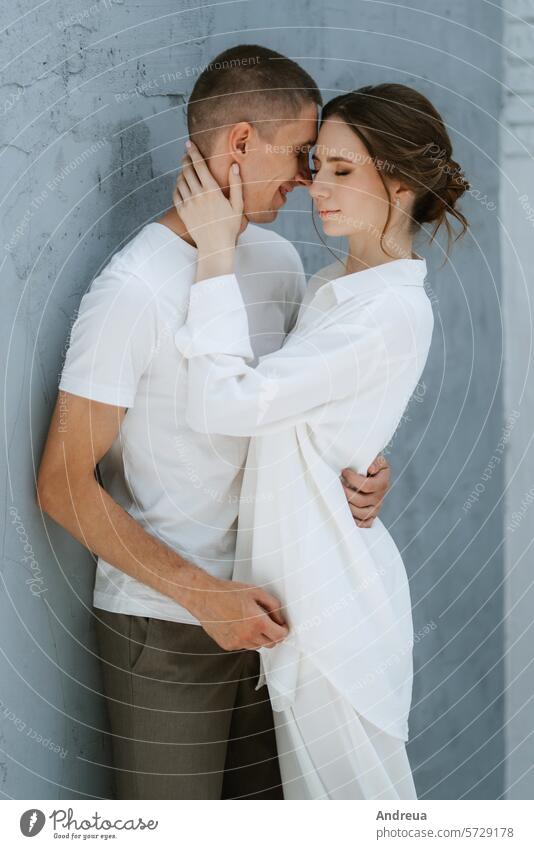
[331, 397]
[181, 486]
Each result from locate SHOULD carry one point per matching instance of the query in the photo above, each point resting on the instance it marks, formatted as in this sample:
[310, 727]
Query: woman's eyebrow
[333, 159]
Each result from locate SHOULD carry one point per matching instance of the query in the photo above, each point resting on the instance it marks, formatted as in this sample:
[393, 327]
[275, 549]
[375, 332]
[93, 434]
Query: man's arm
[235, 615]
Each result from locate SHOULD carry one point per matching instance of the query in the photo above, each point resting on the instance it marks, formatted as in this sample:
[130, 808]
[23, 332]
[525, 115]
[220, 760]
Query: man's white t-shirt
[183, 487]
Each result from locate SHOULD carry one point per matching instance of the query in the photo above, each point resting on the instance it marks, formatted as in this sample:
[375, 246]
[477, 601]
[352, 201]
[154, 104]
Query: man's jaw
[269, 214]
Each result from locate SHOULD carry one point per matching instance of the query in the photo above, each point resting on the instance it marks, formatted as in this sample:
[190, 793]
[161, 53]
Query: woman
[332, 397]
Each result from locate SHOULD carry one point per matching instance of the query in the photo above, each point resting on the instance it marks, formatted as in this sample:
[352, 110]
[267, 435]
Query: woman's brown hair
[406, 138]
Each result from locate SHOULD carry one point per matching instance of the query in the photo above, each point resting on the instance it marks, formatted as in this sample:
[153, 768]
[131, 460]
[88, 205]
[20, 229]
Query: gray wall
[93, 125]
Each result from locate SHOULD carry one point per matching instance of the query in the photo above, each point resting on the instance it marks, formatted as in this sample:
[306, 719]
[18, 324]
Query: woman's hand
[212, 220]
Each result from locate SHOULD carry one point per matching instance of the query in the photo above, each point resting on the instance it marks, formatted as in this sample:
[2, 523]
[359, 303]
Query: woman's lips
[326, 213]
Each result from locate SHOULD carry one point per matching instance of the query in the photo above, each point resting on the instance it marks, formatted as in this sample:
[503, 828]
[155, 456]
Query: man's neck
[172, 220]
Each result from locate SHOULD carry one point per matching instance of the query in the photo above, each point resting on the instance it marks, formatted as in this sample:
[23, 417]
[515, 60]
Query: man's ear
[239, 139]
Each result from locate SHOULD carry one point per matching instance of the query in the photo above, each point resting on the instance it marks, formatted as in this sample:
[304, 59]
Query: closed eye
[314, 171]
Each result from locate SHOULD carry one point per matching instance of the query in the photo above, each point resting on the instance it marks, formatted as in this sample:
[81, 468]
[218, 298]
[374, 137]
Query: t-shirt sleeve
[112, 339]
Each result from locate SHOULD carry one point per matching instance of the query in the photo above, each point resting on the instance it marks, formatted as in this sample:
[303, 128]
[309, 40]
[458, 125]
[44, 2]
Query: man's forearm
[91, 516]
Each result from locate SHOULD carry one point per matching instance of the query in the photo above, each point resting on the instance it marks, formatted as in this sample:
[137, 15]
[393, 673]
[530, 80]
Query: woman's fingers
[181, 193]
[183, 188]
[236, 189]
[190, 176]
[199, 164]
[176, 198]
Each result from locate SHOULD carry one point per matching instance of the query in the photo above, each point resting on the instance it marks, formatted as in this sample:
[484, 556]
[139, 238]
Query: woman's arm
[356, 352]
[364, 492]
[359, 354]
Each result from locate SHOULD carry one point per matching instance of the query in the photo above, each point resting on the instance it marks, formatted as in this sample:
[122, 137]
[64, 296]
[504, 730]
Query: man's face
[276, 166]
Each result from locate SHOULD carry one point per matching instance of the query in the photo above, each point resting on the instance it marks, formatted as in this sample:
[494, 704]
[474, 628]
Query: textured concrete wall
[93, 124]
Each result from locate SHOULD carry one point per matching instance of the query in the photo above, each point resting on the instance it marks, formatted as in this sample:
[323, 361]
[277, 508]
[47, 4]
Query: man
[176, 634]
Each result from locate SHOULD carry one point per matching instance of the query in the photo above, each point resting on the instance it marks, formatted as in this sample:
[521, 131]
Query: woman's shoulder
[328, 272]
[324, 275]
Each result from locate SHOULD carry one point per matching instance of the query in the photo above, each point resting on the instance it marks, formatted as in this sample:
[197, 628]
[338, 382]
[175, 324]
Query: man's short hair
[248, 83]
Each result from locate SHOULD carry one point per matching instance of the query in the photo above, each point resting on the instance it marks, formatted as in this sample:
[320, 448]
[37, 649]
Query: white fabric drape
[331, 398]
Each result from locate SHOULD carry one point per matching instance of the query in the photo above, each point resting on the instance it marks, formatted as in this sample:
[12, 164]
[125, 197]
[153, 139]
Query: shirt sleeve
[296, 290]
[351, 355]
[112, 339]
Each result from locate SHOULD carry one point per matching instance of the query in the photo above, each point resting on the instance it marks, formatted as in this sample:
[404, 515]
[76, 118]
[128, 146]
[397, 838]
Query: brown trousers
[185, 719]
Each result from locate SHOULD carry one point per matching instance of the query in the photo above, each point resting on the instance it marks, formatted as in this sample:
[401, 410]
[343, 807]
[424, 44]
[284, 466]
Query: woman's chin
[332, 227]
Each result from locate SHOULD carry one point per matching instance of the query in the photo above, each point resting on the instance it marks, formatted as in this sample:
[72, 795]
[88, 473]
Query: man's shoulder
[147, 268]
[145, 252]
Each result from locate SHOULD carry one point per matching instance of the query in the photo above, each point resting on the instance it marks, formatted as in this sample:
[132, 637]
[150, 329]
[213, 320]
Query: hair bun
[456, 184]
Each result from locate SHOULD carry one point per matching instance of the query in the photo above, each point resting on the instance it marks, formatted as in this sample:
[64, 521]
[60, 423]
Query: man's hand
[365, 493]
[237, 616]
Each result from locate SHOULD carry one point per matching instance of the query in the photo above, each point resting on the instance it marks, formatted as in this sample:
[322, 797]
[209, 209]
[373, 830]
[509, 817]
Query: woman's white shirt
[330, 398]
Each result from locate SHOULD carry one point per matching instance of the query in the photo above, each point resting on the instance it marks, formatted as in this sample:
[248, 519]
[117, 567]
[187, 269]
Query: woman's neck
[367, 253]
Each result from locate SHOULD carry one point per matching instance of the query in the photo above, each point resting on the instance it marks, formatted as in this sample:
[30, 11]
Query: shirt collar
[403, 272]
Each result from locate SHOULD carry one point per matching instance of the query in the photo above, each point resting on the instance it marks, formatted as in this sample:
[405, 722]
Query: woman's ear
[401, 195]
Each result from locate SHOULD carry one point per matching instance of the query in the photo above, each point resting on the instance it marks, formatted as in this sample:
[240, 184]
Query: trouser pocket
[139, 640]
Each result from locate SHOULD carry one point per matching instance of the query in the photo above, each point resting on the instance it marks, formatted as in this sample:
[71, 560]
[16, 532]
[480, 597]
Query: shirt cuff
[217, 321]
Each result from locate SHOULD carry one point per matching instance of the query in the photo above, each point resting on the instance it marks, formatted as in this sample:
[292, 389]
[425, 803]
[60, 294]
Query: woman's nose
[318, 189]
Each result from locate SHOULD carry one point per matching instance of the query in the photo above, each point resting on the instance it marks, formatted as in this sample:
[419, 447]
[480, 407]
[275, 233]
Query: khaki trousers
[185, 719]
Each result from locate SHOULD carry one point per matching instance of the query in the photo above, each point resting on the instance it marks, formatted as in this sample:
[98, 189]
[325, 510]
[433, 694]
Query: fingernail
[235, 168]
[188, 143]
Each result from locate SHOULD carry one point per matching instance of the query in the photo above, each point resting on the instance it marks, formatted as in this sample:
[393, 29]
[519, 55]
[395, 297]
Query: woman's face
[347, 190]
